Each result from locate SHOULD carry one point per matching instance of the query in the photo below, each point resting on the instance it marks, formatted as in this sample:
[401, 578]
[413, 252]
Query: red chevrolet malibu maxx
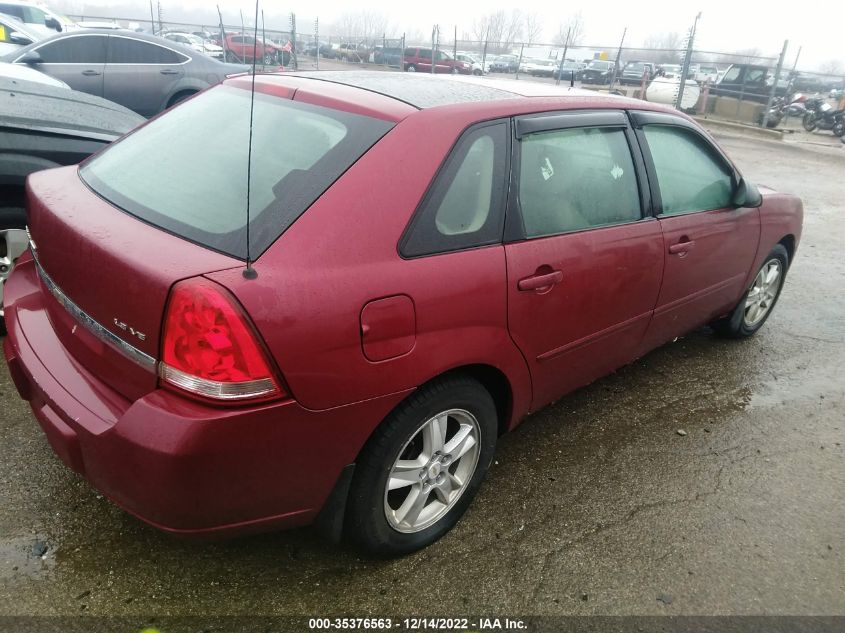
[431, 260]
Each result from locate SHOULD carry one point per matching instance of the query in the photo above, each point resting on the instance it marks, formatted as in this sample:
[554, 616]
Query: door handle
[681, 247]
[536, 282]
[91, 73]
[169, 71]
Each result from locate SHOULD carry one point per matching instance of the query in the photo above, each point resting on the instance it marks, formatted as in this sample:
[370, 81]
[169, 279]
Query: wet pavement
[595, 505]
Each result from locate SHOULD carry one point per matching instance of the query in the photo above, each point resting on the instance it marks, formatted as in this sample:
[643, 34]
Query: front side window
[576, 179]
[187, 172]
[690, 175]
[34, 15]
[465, 206]
[81, 49]
[732, 75]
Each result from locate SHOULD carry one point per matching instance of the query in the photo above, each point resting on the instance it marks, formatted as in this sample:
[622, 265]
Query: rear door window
[126, 50]
[187, 172]
[576, 178]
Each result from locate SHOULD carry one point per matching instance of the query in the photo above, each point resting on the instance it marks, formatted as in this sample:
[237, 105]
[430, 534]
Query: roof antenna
[249, 271]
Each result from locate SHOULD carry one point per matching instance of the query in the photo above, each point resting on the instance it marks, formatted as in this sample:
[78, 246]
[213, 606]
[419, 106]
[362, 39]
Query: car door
[78, 60]
[141, 75]
[584, 255]
[709, 243]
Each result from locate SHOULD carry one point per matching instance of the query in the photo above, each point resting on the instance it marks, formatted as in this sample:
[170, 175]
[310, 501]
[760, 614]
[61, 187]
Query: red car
[419, 60]
[400, 310]
[244, 49]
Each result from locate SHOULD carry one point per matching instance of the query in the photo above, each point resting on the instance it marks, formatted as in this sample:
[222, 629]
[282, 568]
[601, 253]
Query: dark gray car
[142, 72]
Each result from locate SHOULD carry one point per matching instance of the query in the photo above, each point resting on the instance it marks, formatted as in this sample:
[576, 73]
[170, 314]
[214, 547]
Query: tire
[412, 68]
[179, 97]
[477, 72]
[12, 244]
[809, 121]
[738, 324]
[269, 59]
[839, 128]
[375, 519]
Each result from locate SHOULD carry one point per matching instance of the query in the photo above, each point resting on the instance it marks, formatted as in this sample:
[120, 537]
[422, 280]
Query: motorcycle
[780, 108]
[822, 116]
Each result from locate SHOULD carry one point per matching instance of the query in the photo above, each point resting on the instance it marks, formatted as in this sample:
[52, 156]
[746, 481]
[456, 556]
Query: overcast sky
[725, 25]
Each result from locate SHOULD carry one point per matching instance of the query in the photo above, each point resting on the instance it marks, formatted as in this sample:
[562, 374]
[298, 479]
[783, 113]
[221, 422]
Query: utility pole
[618, 56]
[222, 34]
[563, 56]
[791, 79]
[293, 41]
[685, 67]
[775, 83]
[153, 17]
[317, 40]
[435, 39]
[455, 47]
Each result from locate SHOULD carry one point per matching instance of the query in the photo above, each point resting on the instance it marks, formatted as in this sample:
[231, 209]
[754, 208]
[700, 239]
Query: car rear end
[149, 378]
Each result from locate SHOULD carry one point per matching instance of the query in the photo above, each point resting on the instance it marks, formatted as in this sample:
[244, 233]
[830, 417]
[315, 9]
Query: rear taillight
[209, 348]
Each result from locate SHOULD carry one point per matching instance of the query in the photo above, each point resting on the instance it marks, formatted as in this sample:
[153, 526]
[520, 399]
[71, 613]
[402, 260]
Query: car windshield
[635, 67]
[298, 150]
[599, 65]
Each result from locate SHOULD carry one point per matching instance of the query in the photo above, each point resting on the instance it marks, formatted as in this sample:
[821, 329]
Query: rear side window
[186, 172]
[464, 208]
[576, 179]
[125, 50]
[689, 174]
[82, 49]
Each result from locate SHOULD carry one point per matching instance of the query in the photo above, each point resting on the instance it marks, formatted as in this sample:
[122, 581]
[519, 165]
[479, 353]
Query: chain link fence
[737, 87]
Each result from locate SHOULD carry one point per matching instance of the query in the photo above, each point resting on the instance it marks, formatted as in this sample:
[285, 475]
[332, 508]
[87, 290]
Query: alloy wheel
[763, 293]
[432, 471]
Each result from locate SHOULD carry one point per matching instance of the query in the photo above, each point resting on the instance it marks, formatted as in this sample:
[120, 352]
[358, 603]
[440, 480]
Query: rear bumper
[179, 465]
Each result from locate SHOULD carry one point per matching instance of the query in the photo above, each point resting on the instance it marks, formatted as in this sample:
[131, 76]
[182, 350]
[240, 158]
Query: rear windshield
[186, 172]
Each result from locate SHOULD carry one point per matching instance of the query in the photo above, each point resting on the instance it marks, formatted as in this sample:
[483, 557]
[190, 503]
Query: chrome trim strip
[132, 353]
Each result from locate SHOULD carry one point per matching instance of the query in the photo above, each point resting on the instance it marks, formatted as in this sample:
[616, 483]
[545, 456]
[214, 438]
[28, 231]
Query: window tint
[201, 195]
[80, 49]
[690, 175]
[464, 206]
[16, 11]
[33, 15]
[576, 179]
[124, 50]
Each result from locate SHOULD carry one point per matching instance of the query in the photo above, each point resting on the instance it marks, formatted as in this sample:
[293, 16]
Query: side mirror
[31, 58]
[19, 38]
[53, 23]
[747, 195]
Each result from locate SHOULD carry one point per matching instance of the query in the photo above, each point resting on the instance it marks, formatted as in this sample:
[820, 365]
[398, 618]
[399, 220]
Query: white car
[197, 43]
[14, 34]
[17, 71]
[477, 68]
[98, 24]
[36, 16]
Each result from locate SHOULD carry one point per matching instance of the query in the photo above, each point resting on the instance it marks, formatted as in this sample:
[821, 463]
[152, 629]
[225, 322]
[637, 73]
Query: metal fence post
[685, 67]
[563, 56]
[775, 83]
[616, 62]
[519, 63]
[317, 41]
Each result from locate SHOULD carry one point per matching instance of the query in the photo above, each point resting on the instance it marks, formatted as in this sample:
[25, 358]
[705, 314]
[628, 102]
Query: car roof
[425, 91]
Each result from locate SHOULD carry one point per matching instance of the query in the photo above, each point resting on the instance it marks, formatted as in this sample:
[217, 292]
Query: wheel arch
[788, 242]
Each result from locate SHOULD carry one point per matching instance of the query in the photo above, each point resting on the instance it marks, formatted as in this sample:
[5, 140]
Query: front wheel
[757, 304]
[839, 128]
[412, 69]
[809, 122]
[420, 470]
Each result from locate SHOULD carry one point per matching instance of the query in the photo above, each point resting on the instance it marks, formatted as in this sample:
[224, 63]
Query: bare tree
[832, 67]
[662, 48]
[362, 25]
[501, 29]
[534, 23]
[574, 26]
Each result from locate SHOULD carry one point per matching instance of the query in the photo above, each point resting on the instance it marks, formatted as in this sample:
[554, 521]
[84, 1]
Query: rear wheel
[179, 97]
[757, 304]
[839, 128]
[412, 68]
[421, 469]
